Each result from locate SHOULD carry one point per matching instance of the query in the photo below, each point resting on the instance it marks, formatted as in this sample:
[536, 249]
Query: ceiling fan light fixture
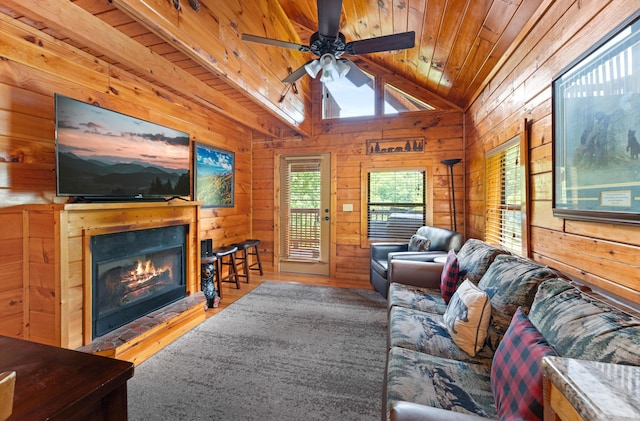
[342, 68]
[327, 75]
[328, 62]
[313, 68]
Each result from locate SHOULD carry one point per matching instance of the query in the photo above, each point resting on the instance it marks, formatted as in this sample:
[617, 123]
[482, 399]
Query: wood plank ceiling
[459, 43]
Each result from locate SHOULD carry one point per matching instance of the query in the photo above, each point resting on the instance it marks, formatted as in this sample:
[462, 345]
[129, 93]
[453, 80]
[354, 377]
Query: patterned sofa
[533, 313]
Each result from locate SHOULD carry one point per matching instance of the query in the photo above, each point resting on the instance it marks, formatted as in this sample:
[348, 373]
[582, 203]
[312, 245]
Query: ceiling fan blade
[297, 74]
[355, 75]
[399, 41]
[329, 12]
[275, 42]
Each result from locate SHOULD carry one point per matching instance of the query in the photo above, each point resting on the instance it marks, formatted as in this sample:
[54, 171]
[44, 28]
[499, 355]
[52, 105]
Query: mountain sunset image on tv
[103, 153]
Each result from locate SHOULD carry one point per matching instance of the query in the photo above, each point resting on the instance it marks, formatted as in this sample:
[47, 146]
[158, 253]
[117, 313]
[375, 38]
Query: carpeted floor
[282, 352]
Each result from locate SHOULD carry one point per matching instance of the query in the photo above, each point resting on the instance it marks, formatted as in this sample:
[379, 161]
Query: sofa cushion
[449, 278]
[510, 282]
[474, 259]
[516, 372]
[580, 326]
[439, 382]
[427, 333]
[419, 243]
[467, 317]
[418, 298]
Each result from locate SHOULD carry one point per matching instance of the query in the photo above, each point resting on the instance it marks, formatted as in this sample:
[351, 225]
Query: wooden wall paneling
[13, 289]
[426, 121]
[42, 294]
[542, 216]
[42, 278]
[521, 88]
[69, 269]
[613, 265]
[348, 144]
[333, 191]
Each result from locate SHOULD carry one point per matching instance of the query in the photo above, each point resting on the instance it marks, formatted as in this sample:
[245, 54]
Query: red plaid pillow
[516, 373]
[449, 278]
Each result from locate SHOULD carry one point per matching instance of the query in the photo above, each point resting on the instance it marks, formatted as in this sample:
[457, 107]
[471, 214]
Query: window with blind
[396, 203]
[503, 197]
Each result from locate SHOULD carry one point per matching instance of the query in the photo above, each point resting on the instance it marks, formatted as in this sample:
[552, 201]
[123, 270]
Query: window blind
[503, 198]
[395, 204]
[301, 218]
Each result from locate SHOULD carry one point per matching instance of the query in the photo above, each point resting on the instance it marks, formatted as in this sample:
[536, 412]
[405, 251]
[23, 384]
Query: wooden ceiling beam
[221, 51]
[85, 28]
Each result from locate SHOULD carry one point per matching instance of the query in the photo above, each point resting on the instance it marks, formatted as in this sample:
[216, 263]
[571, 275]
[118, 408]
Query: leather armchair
[382, 254]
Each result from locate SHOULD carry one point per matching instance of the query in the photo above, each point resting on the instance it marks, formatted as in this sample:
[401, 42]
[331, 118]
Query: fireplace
[135, 273]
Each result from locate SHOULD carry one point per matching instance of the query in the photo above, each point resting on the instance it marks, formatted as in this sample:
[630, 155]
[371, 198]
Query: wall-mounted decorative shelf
[385, 146]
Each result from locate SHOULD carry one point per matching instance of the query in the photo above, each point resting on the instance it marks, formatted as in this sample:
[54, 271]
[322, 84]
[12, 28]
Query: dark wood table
[61, 384]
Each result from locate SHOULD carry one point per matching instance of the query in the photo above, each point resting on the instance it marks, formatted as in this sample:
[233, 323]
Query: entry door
[304, 213]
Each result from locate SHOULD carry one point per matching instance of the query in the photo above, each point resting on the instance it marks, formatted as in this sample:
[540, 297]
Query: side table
[61, 384]
[590, 390]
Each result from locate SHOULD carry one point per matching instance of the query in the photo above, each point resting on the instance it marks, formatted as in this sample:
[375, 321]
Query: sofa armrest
[380, 251]
[409, 411]
[419, 274]
[418, 256]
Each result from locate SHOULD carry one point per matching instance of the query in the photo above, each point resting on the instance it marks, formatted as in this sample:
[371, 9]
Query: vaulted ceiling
[199, 55]
[458, 42]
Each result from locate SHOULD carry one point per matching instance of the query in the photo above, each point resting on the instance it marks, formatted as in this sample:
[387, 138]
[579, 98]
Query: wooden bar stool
[226, 256]
[245, 249]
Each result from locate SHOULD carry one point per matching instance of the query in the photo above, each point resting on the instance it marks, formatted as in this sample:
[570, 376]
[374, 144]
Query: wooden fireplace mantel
[58, 296]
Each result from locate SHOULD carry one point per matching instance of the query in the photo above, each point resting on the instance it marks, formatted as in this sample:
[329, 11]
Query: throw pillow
[449, 278]
[467, 317]
[516, 372]
[419, 243]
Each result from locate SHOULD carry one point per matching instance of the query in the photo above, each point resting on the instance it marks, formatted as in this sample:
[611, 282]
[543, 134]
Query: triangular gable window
[341, 99]
[397, 101]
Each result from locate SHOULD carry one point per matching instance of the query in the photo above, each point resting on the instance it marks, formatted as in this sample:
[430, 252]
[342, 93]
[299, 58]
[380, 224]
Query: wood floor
[231, 294]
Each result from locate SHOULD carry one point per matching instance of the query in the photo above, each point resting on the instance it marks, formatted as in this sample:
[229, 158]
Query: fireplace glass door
[135, 273]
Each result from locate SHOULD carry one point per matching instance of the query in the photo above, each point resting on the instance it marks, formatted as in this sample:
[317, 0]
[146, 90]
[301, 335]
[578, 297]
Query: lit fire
[146, 271]
[145, 279]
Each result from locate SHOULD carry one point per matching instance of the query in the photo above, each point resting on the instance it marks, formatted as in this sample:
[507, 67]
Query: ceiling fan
[328, 43]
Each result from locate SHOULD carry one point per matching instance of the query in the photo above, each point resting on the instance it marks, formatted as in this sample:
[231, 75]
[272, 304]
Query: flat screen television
[105, 155]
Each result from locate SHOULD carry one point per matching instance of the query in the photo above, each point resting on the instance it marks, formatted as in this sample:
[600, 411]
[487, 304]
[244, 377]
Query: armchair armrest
[415, 273]
[380, 251]
[409, 411]
[418, 256]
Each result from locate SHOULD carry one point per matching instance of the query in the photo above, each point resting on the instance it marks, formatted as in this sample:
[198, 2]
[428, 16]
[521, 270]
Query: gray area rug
[282, 352]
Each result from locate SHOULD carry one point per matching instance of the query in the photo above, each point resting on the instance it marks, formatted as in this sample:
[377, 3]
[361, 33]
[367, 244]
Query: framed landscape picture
[214, 176]
[596, 131]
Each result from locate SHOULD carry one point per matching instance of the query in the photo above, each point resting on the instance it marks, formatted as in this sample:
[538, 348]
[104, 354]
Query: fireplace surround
[57, 304]
[134, 273]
